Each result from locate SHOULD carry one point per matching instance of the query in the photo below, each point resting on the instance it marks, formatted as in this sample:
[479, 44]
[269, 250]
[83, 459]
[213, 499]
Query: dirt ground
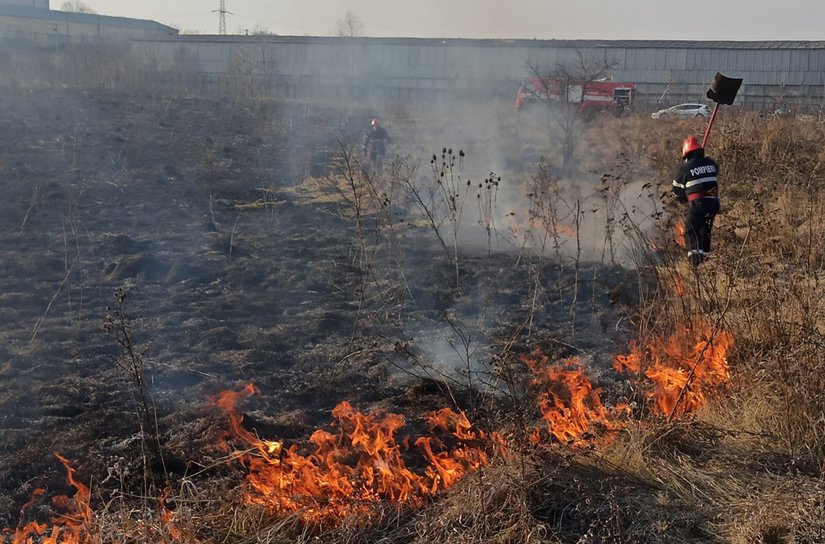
[235, 273]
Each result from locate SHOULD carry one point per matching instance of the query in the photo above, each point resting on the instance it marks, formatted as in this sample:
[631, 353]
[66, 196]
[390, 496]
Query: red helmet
[374, 122]
[690, 144]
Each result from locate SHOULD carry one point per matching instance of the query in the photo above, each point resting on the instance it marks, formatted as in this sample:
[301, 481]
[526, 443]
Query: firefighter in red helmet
[375, 144]
[696, 185]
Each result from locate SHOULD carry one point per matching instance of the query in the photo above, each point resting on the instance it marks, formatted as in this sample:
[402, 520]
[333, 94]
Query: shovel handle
[710, 124]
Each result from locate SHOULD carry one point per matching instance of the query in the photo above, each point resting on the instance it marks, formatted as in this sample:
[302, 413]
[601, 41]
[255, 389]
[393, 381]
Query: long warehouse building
[790, 73]
[413, 68]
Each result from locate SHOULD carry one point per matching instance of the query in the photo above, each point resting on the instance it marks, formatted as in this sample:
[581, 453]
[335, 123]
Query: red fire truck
[590, 97]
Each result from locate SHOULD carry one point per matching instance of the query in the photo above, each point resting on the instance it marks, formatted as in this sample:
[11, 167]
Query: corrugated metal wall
[455, 69]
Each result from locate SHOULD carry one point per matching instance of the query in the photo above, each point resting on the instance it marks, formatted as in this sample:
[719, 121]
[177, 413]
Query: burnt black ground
[105, 192]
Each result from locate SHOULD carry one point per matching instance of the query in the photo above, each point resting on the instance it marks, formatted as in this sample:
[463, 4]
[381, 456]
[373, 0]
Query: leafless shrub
[133, 364]
[486, 199]
[252, 69]
[441, 198]
[371, 201]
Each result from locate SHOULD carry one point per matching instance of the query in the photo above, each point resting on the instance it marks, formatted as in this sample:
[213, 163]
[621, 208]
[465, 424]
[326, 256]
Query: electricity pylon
[222, 14]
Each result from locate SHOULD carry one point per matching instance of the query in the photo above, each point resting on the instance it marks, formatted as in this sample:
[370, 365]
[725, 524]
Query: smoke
[502, 154]
[502, 158]
[193, 202]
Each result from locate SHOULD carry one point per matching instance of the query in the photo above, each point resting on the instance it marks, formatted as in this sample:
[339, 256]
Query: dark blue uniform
[375, 144]
[696, 184]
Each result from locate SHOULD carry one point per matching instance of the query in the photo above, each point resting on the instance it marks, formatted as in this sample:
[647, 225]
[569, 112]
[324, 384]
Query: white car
[683, 110]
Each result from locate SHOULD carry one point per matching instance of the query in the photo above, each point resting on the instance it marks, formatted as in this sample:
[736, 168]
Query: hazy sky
[609, 19]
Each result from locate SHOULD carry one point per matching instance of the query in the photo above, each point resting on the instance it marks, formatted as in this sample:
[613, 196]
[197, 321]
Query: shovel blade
[723, 89]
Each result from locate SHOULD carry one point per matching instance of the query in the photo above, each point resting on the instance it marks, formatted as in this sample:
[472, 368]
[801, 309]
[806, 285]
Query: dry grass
[755, 456]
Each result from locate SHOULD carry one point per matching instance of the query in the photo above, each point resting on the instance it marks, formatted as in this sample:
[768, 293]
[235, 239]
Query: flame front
[361, 464]
[569, 404]
[357, 467]
[669, 362]
[72, 522]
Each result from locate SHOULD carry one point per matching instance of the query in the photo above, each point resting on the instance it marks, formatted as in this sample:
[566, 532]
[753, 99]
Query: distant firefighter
[696, 185]
[375, 144]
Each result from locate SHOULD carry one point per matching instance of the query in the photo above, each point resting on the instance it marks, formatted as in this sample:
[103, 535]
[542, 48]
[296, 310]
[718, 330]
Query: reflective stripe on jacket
[696, 178]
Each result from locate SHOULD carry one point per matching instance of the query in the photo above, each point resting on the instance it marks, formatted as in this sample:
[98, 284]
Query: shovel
[722, 91]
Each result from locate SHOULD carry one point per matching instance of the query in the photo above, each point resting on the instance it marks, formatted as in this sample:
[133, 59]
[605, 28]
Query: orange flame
[569, 404]
[72, 522]
[679, 232]
[167, 516]
[351, 471]
[668, 362]
[534, 223]
[72, 519]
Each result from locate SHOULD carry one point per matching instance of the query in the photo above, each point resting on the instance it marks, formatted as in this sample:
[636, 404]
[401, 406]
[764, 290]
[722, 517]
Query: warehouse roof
[9, 10]
[628, 44]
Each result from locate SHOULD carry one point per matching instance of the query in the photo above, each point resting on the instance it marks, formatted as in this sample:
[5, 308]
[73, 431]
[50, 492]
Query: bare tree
[350, 26]
[76, 6]
[252, 69]
[563, 89]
